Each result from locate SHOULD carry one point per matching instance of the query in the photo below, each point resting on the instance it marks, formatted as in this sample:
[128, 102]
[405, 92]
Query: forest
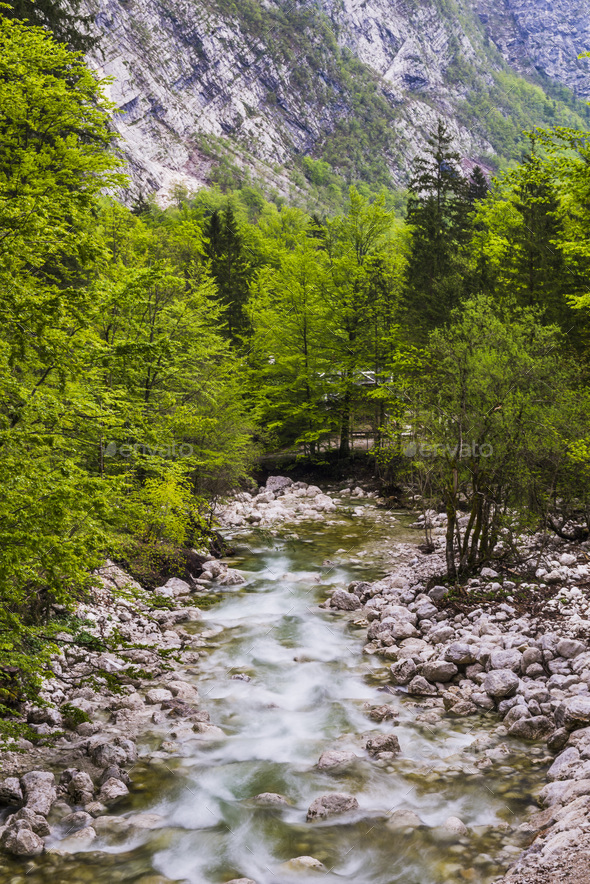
[148, 356]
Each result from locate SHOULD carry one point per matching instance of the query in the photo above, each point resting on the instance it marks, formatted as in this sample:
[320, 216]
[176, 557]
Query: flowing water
[310, 689]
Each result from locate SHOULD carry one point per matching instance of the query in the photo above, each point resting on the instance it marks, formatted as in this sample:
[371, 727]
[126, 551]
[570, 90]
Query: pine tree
[438, 210]
[224, 246]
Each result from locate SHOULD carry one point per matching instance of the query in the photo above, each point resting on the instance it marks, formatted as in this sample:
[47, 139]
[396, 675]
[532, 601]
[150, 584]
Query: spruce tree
[224, 246]
[438, 213]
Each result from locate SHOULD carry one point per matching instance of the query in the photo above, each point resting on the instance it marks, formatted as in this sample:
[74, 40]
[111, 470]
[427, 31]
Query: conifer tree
[438, 210]
[224, 246]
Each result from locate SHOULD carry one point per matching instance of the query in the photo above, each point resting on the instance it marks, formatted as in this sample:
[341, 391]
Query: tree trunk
[345, 426]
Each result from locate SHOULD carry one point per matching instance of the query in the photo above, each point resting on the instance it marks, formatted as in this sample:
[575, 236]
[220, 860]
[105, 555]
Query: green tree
[224, 246]
[485, 423]
[438, 216]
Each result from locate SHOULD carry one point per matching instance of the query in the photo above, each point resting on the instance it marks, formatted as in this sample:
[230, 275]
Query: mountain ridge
[211, 91]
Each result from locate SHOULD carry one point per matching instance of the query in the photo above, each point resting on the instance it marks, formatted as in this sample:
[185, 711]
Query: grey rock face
[330, 805]
[187, 70]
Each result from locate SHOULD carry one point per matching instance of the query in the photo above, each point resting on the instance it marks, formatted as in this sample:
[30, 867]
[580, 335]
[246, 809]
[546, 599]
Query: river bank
[381, 744]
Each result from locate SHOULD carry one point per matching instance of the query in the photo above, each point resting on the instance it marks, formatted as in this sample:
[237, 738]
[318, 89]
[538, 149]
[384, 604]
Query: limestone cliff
[208, 88]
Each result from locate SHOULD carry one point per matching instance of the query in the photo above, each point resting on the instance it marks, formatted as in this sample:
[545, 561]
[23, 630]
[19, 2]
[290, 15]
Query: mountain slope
[217, 90]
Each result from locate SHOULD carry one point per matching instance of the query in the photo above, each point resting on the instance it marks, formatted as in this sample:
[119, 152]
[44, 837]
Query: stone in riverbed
[419, 687]
[509, 659]
[382, 743]
[403, 819]
[78, 820]
[303, 864]
[39, 789]
[558, 739]
[500, 683]
[536, 728]
[20, 840]
[570, 648]
[460, 654]
[81, 788]
[463, 707]
[330, 805]
[403, 671]
[79, 840]
[334, 758]
[270, 799]
[562, 767]
[11, 792]
[439, 670]
[112, 791]
[345, 601]
[576, 712]
[37, 823]
[157, 695]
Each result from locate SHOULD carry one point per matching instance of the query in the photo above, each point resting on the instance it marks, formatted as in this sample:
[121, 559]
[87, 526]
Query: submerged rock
[330, 805]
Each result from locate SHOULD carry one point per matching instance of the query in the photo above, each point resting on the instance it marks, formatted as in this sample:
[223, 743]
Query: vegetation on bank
[148, 355]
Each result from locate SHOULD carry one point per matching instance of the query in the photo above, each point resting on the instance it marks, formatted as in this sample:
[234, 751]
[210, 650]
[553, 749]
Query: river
[310, 689]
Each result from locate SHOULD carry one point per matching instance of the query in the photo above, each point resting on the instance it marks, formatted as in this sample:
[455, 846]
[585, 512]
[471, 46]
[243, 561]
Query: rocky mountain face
[217, 90]
[542, 36]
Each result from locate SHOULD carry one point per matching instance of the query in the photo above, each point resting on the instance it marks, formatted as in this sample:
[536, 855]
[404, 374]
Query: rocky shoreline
[531, 670]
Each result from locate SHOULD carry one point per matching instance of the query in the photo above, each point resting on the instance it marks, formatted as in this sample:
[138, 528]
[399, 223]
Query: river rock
[403, 819]
[157, 695]
[79, 840]
[345, 601]
[78, 820]
[561, 769]
[20, 840]
[439, 670]
[112, 791]
[570, 648]
[36, 821]
[183, 690]
[330, 805]
[11, 792]
[576, 712]
[460, 654]
[506, 659]
[39, 790]
[81, 788]
[241, 881]
[536, 728]
[403, 671]
[382, 743]
[333, 758]
[440, 634]
[456, 827]
[500, 683]
[270, 799]
[419, 687]
[438, 593]
[278, 483]
[303, 864]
